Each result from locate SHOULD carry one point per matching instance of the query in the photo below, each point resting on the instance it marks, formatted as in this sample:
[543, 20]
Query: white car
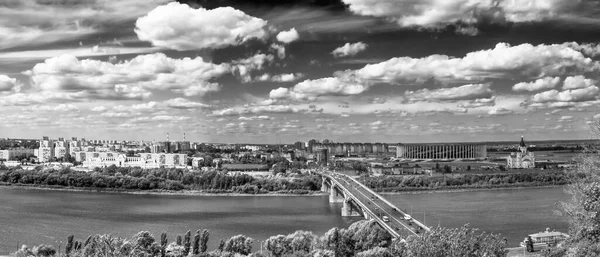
[407, 217]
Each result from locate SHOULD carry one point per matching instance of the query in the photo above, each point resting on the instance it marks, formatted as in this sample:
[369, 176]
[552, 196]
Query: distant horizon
[320, 141]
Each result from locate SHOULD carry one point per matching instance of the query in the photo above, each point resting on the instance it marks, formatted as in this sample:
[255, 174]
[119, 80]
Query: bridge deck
[377, 207]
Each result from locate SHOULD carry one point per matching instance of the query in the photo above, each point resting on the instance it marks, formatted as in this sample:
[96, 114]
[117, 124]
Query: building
[322, 156]
[46, 150]
[12, 154]
[522, 159]
[441, 151]
[61, 148]
[145, 160]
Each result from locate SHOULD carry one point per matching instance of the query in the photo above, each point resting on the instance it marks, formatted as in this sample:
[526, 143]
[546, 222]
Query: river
[34, 216]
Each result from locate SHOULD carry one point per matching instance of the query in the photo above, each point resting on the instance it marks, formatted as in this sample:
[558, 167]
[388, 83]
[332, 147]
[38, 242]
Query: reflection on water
[39, 216]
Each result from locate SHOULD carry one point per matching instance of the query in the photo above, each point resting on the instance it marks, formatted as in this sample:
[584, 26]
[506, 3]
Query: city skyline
[348, 70]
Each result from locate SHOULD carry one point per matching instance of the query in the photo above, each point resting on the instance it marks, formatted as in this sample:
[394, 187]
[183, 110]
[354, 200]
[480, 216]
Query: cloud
[181, 27]
[290, 77]
[279, 50]
[130, 79]
[503, 61]
[288, 36]
[256, 110]
[311, 89]
[440, 13]
[589, 49]
[578, 81]
[31, 22]
[499, 111]
[482, 102]
[244, 67]
[262, 117]
[565, 118]
[573, 95]
[537, 85]
[7, 83]
[466, 92]
[349, 49]
[182, 103]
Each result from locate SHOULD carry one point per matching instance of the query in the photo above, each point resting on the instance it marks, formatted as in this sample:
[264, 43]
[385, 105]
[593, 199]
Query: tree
[451, 243]
[196, 244]
[583, 211]
[204, 241]
[239, 244]
[186, 242]
[221, 245]
[163, 243]
[447, 169]
[69, 246]
[44, 250]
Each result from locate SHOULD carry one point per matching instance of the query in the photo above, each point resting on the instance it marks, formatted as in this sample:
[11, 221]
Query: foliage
[456, 181]
[443, 242]
[583, 211]
[363, 238]
[126, 178]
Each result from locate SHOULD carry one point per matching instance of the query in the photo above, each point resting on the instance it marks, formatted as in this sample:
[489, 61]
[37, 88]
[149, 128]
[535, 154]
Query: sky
[272, 71]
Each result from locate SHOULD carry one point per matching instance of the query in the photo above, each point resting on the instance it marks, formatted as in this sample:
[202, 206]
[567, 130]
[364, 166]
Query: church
[522, 159]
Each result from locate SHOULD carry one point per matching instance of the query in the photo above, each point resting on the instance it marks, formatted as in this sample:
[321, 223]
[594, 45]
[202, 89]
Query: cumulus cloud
[439, 13]
[244, 67]
[499, 111]
[290, 77]
[33, 22]
[578, 81]
[288, 36]
[130, 79]
[7, 83]
[256, 110]
[586, 48]
[572, 95]
[182, 103]
[181, 27]
[279, 50]
[311, 89]
[537, 85]
[466, 92]
[349, 49]
[482, 102]
[503, 61]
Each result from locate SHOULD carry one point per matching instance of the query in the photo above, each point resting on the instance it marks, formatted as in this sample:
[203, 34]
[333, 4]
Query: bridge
[359, 200]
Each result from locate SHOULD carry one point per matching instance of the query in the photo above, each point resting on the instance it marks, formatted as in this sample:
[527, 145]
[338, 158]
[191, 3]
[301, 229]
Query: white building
[145, 160]
[522, 159]
[46, 150]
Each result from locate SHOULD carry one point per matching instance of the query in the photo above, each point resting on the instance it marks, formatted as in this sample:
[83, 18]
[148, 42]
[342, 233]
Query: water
[40, 216]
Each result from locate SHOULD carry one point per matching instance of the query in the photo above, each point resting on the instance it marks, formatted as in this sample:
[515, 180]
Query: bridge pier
[335, 196]
[325, 186]
[349, 209]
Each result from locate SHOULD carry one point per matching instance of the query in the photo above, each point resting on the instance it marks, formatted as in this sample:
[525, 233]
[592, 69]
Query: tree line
[135, 178]
[454, 181]
[362, 239]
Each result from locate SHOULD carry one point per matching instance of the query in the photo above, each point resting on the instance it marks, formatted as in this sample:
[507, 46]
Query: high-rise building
[322, 156]
[61, 148]
[46, 150]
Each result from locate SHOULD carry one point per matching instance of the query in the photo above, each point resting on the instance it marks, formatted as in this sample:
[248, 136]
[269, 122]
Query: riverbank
[460, 190]
[155, 192]
[208, 193]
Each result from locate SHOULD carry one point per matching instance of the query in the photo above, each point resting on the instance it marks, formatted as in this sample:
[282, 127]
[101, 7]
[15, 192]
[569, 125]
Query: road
[402, 224]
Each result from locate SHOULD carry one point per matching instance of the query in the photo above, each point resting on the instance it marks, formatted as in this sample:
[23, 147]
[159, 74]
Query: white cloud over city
[361, 70]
